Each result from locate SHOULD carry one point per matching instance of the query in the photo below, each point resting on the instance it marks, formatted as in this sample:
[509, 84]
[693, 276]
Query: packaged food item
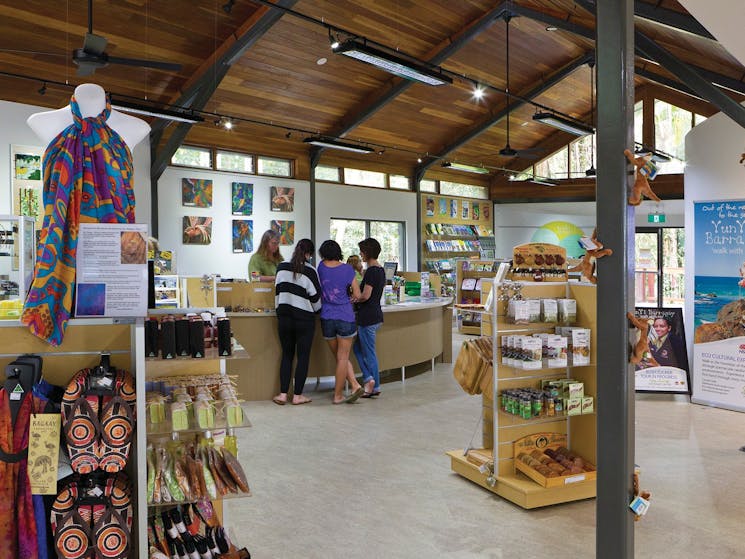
[549, 310]
[532, 350]
[534, 310]
[573, 406]
[555, 351]
[567, 311]
[588, 404]
[580, 342]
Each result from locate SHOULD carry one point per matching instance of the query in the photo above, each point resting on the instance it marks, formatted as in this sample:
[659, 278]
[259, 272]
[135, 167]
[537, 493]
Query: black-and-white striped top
[297, 297]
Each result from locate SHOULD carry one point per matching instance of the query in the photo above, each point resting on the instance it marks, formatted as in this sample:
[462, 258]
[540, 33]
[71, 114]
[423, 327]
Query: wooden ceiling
[279, 83]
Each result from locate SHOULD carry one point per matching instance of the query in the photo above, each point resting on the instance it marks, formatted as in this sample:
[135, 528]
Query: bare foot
[280, 399]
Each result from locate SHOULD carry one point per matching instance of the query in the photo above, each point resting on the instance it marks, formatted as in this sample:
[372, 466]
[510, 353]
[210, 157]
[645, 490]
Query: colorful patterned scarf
[87, 174]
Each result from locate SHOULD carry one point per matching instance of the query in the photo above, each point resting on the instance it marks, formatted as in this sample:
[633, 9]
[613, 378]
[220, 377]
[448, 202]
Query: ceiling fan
[93, 56]
[508, 150]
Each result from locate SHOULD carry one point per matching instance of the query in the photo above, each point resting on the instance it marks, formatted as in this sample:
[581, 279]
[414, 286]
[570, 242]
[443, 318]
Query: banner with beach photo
[719, 304]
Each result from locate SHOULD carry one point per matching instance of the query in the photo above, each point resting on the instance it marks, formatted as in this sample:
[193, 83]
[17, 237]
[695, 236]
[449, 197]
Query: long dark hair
[303, 247]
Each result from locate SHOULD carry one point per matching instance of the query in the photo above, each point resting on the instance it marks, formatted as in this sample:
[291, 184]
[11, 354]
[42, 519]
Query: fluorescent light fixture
[657, 156]
[577, 128]
[333, 143]
[390, 62]
[466, 168]
[541, 181]
[178, 116]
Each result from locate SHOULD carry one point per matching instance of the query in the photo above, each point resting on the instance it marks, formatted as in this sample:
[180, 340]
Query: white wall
[218, 257]
[14, 130]
[724, 19]
[712, 172]
[351, 202]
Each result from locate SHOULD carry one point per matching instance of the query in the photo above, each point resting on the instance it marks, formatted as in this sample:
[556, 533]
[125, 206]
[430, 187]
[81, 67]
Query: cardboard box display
[588, 405]
[573, 406]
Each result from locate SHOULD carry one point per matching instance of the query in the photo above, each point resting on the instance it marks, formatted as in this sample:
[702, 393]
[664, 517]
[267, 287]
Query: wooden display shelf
[158, 367]
[472, 330]
[520, 489]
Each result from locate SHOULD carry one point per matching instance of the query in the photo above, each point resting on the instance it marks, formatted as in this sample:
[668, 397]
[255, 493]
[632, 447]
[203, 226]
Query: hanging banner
[667, 346]
[111, 270]
[719, 304]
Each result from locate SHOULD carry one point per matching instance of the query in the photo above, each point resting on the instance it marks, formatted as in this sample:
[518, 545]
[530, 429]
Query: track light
[227, 124]
[478, 92]
[418, 159]
[333, 143]
[228, 6]
[334, 42]
[288, 134]
[43, 89]
[467, 168]
[576, 128]
[396, 65]
[591, 172]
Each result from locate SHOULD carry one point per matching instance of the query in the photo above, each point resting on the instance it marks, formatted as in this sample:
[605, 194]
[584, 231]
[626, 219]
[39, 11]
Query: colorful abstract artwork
[453, 208]
[26, 182]
[443, 206]
[243, 198]
[27, 167]
[466, 207]
[243, 233]
[430, 206]
[91, 299]
[196, 192]
[197, 230]
[286, 230]
[485, 211]
[283, 199]
[475, 211]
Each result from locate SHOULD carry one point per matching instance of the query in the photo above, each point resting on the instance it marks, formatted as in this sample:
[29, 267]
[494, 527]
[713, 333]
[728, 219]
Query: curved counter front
[413, 332]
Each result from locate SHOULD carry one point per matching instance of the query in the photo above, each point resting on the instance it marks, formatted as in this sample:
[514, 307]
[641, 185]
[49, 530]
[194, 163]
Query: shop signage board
[111, 270]
[667, 347]
[719, 304]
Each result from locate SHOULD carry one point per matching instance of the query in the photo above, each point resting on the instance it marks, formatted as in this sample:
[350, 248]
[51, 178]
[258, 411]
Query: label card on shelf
[43, 453]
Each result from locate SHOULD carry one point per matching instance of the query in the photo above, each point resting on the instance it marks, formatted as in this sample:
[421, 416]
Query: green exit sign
[655, 218]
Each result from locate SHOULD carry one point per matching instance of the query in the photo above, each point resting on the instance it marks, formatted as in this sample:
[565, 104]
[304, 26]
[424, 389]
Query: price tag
[43, 453]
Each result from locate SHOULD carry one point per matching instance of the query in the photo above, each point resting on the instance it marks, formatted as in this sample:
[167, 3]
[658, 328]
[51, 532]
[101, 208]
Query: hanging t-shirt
[335, 284]
[369, 312]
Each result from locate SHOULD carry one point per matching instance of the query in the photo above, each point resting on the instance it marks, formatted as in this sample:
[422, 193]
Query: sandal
[117, 429]
[81, 433]
[303, 400]
[277, 400]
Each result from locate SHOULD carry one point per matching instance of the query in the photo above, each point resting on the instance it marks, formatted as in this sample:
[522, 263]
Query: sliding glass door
[659, 272]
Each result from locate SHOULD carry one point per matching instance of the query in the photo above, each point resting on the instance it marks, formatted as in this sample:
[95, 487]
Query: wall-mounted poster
[443, 206]
[485, 211]
[429, 205]
[197, 230]
[453, 208]
[476, 210]
[719, 304]
[283, 199]
[243, 233]
[466, 207]
[286, 230]
[27, 185]
[196, 192]
[667, 346]
[242, 198]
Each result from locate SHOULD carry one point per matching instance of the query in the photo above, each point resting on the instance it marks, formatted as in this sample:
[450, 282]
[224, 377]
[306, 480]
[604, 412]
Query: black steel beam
[395, 86]
[671, 18]
[549, 20]
[197, 95]
[484, 125]
[614, 535]
[672, 84]
[699, 84]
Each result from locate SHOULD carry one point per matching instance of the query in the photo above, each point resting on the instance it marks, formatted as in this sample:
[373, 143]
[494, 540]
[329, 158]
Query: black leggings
[295, 335]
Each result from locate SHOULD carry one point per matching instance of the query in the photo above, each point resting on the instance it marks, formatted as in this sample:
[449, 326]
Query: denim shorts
[333, 328]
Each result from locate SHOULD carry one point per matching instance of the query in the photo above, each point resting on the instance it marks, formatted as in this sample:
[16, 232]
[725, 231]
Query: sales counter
[414, 331]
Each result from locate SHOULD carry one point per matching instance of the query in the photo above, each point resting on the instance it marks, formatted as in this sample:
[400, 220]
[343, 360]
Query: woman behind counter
[267, 257]
[297, 299]
[338, 284]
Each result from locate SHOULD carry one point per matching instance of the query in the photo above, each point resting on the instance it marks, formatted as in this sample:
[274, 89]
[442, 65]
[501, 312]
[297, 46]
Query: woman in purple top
[338, 325]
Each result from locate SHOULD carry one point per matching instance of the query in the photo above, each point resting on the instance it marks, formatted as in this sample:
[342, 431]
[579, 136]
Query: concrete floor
[371, 480]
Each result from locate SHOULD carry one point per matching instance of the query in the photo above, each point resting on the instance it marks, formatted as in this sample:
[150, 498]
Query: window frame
[367, 222]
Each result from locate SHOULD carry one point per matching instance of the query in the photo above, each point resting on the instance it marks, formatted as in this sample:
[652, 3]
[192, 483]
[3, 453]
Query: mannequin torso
[91, 99]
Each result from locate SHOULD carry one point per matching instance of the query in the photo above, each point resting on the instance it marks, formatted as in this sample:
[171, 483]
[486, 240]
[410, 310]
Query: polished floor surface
[370, 480]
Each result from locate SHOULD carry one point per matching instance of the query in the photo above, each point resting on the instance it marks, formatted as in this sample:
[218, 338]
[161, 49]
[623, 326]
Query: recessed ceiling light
[321, 61]
[551, 28]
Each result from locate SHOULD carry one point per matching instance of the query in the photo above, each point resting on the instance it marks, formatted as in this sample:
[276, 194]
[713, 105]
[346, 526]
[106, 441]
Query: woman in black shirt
[369, 316]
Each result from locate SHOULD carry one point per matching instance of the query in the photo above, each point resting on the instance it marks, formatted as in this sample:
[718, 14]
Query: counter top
[410, 304]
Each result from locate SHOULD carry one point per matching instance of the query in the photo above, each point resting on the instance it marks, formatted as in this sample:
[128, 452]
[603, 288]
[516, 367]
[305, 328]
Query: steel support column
[313, 157]
[615, 219]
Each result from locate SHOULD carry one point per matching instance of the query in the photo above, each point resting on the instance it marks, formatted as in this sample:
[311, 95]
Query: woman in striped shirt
[297, 300]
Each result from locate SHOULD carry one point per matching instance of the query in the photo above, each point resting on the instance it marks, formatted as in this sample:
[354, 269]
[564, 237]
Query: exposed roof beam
[493, 119]
[698, 83]
[672, 84]
[201, 89]
[565, 24]
[395, 86]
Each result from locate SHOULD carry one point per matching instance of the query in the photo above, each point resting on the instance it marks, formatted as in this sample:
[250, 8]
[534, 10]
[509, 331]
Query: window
[390, 234]
[190, 156]
[460, 189]
[427, 185]
[671, 124]
[364, 178]
[659, 266]
[327, 173]
[639, 122]
[581, 155]
[399, 181]
[232, 161]
[554, 166]
[274, 166]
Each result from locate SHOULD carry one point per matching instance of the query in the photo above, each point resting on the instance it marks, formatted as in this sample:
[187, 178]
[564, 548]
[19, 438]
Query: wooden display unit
[468, 289]
[501, 430]
[449, 232]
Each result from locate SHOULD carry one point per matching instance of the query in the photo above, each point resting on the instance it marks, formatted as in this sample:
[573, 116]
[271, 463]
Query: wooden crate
[542, 441]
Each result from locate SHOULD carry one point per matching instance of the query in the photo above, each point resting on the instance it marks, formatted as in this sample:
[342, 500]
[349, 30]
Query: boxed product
[520, 311]
[588, 404]
[574, 390]
[567, 311]
[580, 346]
[532, 351]
[573, 406]
[555, 350]
[549, 310]
[506, 350]
[534, 310]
